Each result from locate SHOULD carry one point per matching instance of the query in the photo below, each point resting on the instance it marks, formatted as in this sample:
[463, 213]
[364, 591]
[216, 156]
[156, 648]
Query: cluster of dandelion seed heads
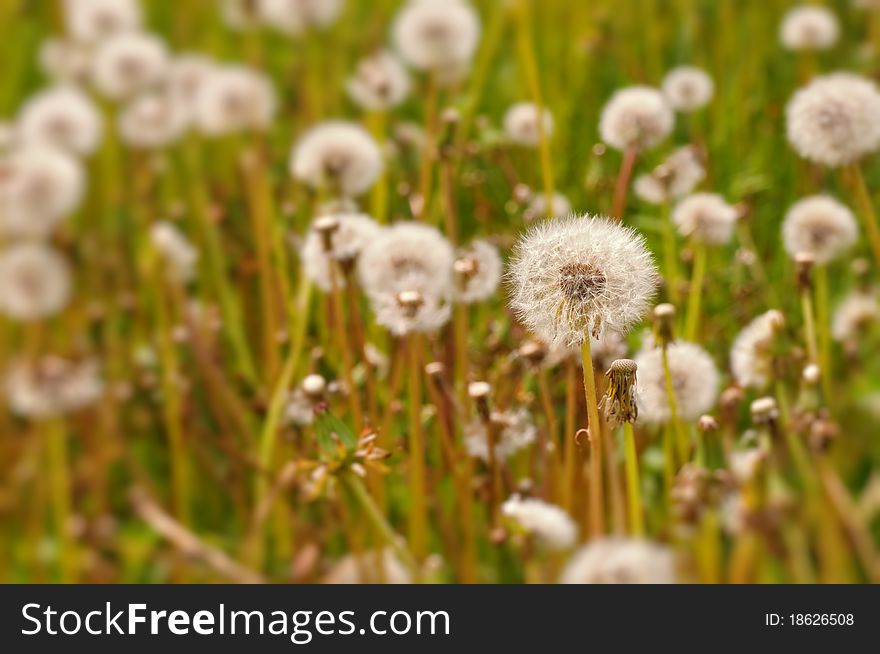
[638, 117]
[577, 276]
[820, 226]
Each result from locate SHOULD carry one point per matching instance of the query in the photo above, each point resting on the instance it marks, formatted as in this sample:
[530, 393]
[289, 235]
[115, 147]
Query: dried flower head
[688, 88]
[351, 234]
[379, 82]
[34, 281]
[234, 98]
[151, 121]
[576, 276]
[337, 155]
[820, 226]
[437, 35]
[92, 21]
[62, 117]
[559, 206]
[619, 403]
[752, 356]
[129, 63]
[551, 526]
[39, 187]
[858, 311]
[523, 125]
[477, 272]
[52, 386]
[674, 178]
[616, 560]
[637, 116]
[705, 218]
[835, 119]
[514, 431]
[180, 255]
[809, 27]
[695, 382]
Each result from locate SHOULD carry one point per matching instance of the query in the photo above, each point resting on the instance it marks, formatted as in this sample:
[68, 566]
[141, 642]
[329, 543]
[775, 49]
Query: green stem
[418, 524]
[670, 254]
[866, 206]
[633, 494]
[823, 329]
[692, 323]
[596, 503]
[59, 480]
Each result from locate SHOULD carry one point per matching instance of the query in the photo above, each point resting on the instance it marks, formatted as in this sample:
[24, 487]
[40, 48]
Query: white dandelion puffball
[478, 271]
[559, 206]
[688, 88]
[706, 218]
[439, 35]
[337, 155]
[835, 119]
[617, 560]
[858, 311]
[638, 117]
[809, 28]
[293, 17]
[551, 526]
[365, 569]
[576, 276]
[91, 21]
[695, 382]
[751, 355]
[175, 249]
[407, 253]
[514, 431]
[353, 232]
[64, 61]
[416, 308]
[820, 226]
[379, 82]
[39, 187]
[151, 121]
[34, 281]
[127, 64]
[52, 386]
[234, 98]
[63, 117]
[674, 178]
[523, 126]
[185, 77]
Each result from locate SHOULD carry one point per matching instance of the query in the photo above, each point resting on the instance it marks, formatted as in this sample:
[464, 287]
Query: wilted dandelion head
[706, 218]
[559, 206]
[820, 226]
[350, 234]
[404, 254]
[294, 17]
[835, 119]
[39, 186]
[551, 526]
[151, 121]
[91, 21]
[514, 431]
[674, 178]
[856, 313]
[234, 98]
[638, 116]
[62, 117]
[576, 276]
[688, 88]
[616, 560]
[178, 253]
[695, 382]
[437, 35]
[379, 82]
[809, 28]
[523, 125]
[751, 355]
[339, 156]
[34, 281]
[52, 386]
[129, 63]
[478, 270]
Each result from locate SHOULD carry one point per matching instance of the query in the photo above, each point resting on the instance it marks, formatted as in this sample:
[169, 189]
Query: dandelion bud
[729, 401]
[326, 226]
[479, 390]
[664, 324]
[811, 374]
[314, 386]
[435, 369]
[707, 424]
[764, 411]
[411, 301]
[803, 262]
[619, 402]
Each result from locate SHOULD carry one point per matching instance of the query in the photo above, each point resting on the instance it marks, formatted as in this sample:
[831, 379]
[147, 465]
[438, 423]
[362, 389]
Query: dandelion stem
[418, 520]
[596, 503]
[809, 325]
[621, 186]
[633, 494]
[681, 441]
[553, 433]
[426, 168]
[823, 329]
[57, 463]
[692, 322]
[866, 206]
[570, 451]
[670, 254]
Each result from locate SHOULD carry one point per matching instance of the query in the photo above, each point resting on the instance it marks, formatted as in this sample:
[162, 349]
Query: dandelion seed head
[820, 226]
[637, 116]
[34, 281]
[379, 82]
[65, 61]
[411, 310]
[616, 560]
[478, 270]
[337, 155]
[706, 218]
[523, 125]
[151, 121]
[695, 382]
[809, 28]
[577, 276]
[674, 178]
[551, 526]
[92, 21]
[751, 355]
[234, 98]
[437, 35]
[538, 207]
[293, 17]
[62, 117]
[352, 233]
[514, 431]
[688, 88]
[835, 119]
[129, 63]
[177, 251]
[52, 386]
[858, 311]
[185, 77]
